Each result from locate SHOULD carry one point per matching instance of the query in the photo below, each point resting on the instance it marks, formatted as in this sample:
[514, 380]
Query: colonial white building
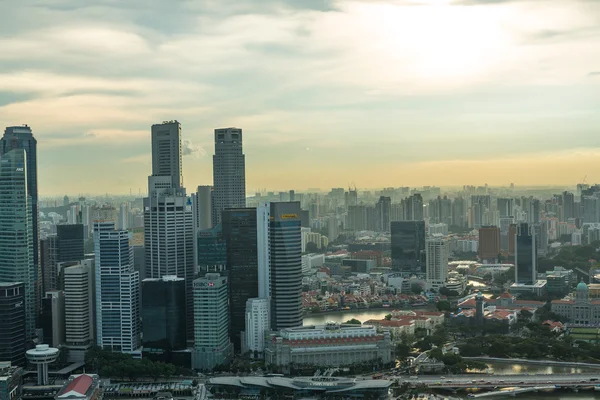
[581, 310]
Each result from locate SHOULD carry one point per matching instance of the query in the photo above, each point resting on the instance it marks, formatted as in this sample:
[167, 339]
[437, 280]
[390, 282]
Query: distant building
[332, 345]
[408, 247]
[212, 250]
[580, 311]
[489, 243]
[11, 381]
[52, 318]
[525, 255]
[436, 268]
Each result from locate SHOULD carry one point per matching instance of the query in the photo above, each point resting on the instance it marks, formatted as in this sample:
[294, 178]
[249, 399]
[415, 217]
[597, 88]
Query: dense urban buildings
[17, 238]
[117, 291]
[229, 172]
[212, 346]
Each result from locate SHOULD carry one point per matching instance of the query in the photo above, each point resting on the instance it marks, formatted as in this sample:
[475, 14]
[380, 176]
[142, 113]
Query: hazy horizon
[377, 93]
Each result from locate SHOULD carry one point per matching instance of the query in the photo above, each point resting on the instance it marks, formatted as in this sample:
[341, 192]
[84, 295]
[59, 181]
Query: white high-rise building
[117, 290]
[258, 322]
[169, 242]
[436, 253]
[79, 308]
[229, 172]
[212, 346]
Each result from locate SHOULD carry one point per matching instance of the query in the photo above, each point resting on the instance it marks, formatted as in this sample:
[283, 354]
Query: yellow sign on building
[289, 216]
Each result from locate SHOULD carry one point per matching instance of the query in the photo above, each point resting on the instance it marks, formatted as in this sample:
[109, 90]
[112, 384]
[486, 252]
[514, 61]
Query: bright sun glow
[437, 41]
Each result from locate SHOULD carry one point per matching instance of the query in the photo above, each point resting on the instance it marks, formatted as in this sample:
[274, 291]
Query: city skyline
[454, 92]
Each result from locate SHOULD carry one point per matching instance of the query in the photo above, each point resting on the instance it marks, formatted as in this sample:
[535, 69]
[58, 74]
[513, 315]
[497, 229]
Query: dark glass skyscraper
[408, 247]
[280, 262]
[163, 314]
[12, 323]
[212, 250]
[239, 233]
[525, 255]
[70, 242]
[21, 137]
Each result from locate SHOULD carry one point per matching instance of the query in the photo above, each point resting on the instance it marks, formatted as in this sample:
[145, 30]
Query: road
[491, 381]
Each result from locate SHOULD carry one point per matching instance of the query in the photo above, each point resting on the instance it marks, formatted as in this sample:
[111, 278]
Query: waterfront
[501, 368]
[361, 315]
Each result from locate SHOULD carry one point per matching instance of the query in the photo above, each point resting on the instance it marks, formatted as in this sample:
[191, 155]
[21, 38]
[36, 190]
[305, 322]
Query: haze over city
[379, 93]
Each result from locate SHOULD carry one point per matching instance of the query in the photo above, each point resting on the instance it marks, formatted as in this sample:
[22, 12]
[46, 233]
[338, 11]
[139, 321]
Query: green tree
[353, 321]
[416, 288]
[388, 317]
[444, 306]
[312, 247]
[402, 350]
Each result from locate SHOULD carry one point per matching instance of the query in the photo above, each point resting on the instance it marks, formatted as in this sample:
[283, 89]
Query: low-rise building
[580, 311]
[80, 387]
[334, 345]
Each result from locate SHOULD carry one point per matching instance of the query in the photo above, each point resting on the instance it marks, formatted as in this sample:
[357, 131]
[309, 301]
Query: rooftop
[81, 386]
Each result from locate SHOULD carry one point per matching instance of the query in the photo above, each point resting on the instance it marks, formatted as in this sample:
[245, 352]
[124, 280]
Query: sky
[328, 93]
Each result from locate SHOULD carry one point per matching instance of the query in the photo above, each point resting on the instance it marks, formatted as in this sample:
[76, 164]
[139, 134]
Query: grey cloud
[190, 149]
[593, 74]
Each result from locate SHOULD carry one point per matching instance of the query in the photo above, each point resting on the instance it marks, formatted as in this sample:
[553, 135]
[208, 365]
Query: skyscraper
[166, 152]
[408, 247]
[70, 242]
[21, 137]
[239, 233]
[489, 243]
[168, 217]
[212, 346]
[383, 209]
[202, 202]
[79, 308]
[280, 262]
[525, 255]
[117, 290]
[163, 313]
[258, 323]
[16, 232]
[229, 172]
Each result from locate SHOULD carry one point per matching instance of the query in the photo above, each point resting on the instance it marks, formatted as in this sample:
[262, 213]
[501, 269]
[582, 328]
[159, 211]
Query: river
[343, 316]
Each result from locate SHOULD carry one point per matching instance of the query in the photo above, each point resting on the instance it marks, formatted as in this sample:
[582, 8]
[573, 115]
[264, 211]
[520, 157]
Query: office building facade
[525, 255]
[202, 202]
[489, 243]
[229, 172]
[258, 323]
[52, 318]
[12, 323]
[212, 346]
[79, 308]
[70, 242]
[240, 235]
[17, 238]
[117, 290]
[280, 262]
[21, 137]
[164, 314]
[408, 247]
[166, 152]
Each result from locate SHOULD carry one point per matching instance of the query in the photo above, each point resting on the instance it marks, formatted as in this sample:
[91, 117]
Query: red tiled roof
[505, 295]
[80, 385]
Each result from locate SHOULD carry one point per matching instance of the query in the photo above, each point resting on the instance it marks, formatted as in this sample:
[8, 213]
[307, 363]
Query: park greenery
[573, 257]
[123, 366]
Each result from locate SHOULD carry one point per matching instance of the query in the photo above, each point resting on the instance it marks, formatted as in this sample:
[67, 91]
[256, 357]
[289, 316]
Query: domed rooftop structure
[581, 286]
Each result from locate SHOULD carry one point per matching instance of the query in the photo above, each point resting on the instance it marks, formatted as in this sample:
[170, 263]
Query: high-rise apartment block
[17, 237]
[12, 323]
[117, 290]
[240, 235]
[437, 252]
[383, 210]
[212, 346]
[229, 172]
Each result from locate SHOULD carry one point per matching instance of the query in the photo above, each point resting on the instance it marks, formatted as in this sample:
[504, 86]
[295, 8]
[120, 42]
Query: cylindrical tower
[42, 355]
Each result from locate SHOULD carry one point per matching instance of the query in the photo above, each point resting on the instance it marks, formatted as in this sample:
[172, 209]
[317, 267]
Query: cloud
[190, 149]
[593, 73]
